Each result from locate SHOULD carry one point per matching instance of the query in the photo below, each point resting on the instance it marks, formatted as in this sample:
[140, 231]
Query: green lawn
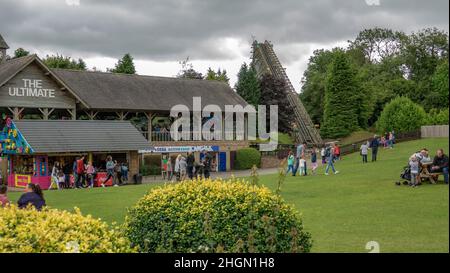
[342, 212]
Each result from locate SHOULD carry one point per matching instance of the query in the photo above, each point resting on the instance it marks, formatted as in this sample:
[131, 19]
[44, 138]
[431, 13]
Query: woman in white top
[54, 176]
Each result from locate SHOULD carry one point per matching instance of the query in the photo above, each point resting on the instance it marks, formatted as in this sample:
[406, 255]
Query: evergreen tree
[341, 99]
[124, 65]
[248, 85]
[273, 93]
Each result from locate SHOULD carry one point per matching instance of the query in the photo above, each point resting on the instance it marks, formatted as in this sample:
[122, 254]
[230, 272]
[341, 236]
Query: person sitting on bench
[440, 164]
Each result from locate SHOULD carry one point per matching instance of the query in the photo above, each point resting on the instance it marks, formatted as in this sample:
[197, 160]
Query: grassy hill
[342, 212]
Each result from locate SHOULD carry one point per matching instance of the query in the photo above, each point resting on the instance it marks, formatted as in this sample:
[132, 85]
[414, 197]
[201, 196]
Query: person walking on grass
[80, 173]
[323, 152]
[364, 151]
[314, 164]
[90, 174]
[177, 168]
[374, 144]
[54, 177]
[290, 160]
[109, 170]
[302, 171]
[330, 160]
[183, 168]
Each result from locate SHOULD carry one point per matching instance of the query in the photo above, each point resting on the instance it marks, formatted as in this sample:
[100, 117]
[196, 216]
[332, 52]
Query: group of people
[386, 141]
[85, 173]
[187, 167]
[437, 165]
[33, 196]
[298, 164]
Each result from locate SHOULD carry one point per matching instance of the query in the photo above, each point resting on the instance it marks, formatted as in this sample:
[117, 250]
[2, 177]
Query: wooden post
[122, 115]
[73, 113]
[150, 116]
[91, 114]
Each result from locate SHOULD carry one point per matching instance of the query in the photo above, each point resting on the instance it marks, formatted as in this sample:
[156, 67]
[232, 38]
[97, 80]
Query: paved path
[224, 175]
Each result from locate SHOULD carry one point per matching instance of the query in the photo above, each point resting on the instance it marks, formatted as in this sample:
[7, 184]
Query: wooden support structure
[16, 111]
[150, 116]
[46, 112]
[91, 114]
[73, 113]
[122, 115]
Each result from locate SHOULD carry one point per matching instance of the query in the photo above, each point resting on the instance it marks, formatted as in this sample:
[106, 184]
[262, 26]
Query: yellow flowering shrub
[215, 216]
[50, 230]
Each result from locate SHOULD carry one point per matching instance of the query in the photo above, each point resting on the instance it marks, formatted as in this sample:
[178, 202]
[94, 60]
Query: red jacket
[337, 150]
[80, 166]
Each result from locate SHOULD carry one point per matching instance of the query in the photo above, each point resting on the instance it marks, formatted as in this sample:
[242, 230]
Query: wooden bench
[425, 174]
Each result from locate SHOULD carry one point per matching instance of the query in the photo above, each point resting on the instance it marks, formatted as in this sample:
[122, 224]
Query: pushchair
[405, 175]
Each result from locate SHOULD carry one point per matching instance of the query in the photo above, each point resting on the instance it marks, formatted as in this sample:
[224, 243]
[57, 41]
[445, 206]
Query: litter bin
[137, 178]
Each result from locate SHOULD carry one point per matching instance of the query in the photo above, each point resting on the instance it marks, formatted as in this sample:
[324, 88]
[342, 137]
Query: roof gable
[3, 44]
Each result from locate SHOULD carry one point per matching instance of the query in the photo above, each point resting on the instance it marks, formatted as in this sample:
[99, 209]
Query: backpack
[328, 152]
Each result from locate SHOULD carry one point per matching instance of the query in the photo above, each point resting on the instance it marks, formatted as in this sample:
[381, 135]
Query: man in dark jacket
[207, 161]
[440, 164]
[374, 146]
[190, 160]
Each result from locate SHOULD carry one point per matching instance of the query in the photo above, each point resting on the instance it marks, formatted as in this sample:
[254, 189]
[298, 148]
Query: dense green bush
[438, 117]
[215, 216]
[246, 158]
[32, 231]
[401, 115]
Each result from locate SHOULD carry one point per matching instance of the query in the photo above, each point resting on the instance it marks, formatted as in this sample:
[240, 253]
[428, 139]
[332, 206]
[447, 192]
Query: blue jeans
[330, 164]
[297, 163]
[290, 168]
[445, 172]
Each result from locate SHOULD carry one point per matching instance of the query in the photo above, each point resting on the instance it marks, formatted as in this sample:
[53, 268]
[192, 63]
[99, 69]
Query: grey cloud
[171, 30]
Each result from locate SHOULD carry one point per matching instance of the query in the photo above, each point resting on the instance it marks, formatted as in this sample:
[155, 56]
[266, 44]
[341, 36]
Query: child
[314, 164]
[302, 166]
[61, 179]
[4, 201]
[364, 151]
[323, 155]
[414, 166]
[290, 161]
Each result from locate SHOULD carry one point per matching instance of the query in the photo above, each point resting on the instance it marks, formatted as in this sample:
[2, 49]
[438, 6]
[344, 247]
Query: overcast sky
[216, 33]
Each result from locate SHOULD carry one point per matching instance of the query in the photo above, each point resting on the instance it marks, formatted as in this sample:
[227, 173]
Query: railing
[204, 136]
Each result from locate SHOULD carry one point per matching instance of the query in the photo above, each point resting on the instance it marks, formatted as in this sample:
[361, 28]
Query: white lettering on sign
[31, 88]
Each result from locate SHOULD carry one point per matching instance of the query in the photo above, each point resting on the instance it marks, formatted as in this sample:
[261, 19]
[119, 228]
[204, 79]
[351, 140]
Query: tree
[376, 44]
[440, 89]
[273, 93]
[248, 85]
[401, 115]
[60, 61]
[188, 72]
[124, 65]
[314, 79]
[342, 99]
[220, 75]
[20, 52]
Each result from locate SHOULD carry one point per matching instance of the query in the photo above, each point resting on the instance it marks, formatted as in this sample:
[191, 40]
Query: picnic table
[425, 173]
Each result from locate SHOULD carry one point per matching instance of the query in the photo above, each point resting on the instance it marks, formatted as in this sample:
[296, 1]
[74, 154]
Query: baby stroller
[405, 175]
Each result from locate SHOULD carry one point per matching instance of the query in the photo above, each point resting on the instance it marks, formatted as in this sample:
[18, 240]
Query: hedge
[246, 158]
[215, 216]
[54, 231]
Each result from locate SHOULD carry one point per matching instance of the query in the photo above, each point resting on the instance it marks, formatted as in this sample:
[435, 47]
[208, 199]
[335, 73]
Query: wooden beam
[122, 115]
[91, 114]
[16, 111]
[73, 113]
[46, 112]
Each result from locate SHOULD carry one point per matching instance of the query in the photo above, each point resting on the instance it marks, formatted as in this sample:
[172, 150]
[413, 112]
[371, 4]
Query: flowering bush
[215, 216]
[28, 230]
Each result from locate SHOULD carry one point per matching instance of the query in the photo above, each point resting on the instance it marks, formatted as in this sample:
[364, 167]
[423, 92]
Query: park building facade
[57, 115]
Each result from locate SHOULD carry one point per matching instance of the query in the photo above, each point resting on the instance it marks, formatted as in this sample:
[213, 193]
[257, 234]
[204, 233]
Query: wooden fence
[434, 131]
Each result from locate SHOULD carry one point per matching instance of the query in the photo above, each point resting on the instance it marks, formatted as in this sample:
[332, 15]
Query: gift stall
[32, 147]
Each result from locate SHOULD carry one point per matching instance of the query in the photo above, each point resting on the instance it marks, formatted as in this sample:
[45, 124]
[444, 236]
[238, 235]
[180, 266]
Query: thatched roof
[108, 91]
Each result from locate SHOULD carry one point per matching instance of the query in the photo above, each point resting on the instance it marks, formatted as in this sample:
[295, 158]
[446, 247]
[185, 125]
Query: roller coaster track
[266, 61]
